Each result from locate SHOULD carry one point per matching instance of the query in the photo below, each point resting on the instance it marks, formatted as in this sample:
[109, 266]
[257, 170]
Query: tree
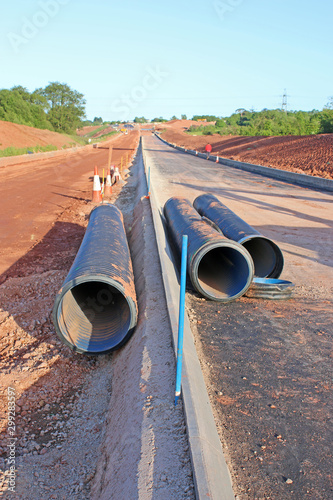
[241, 111]
[183, 117]
[326, 121]
[17, 105]
[66, 106]
[98, 120]
[142, 119]
[220, 123]
[38, 98]
[23, 91]
[160, 119]
[329, 105]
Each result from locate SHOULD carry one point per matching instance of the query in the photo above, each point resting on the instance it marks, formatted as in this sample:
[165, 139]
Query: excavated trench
[145, 451]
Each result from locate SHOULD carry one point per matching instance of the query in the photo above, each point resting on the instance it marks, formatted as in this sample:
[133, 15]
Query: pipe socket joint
[267, 256]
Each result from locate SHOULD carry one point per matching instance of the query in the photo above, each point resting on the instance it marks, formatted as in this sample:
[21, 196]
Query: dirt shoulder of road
[77, 416]
[266, 371]
[312, 155]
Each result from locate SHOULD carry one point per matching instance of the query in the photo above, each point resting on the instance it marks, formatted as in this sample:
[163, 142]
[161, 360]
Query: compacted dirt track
[311, 155]
[34, 192]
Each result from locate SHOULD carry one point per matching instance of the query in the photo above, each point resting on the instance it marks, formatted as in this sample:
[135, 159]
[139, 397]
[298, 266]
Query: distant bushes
[270, 122]
[57, 107]
[208, 118]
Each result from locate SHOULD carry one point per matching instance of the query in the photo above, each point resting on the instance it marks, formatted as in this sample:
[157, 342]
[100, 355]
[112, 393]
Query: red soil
[22, 136]
[312, 155]
[34, 191]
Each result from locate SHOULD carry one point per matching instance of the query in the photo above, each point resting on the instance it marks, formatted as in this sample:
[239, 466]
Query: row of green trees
[56, 107]
[270, 122]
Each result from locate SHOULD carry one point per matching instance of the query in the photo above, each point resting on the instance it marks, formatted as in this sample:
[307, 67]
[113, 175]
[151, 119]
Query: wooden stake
[110, 156]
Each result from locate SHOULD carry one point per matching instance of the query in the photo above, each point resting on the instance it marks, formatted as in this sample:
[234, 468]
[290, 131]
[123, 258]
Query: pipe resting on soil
[95, 310]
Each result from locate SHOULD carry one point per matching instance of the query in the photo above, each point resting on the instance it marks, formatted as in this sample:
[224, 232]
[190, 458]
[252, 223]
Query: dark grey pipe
[219, 269]
[95, 310]
[266, 255]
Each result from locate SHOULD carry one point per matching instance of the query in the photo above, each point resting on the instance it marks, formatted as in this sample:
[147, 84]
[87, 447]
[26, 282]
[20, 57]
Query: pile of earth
[22, 136]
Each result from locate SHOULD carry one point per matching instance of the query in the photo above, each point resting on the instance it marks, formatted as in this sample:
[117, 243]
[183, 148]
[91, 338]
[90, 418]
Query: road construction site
[106, 427]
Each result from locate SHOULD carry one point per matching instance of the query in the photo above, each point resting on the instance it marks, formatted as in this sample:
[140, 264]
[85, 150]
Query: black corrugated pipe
[266, 255]
[219, 268]
[95, 310]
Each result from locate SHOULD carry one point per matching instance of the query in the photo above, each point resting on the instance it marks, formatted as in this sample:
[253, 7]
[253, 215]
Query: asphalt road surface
[267, 363]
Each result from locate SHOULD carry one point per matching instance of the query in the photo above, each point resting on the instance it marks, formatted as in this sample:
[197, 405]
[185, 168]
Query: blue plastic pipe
[181, 318]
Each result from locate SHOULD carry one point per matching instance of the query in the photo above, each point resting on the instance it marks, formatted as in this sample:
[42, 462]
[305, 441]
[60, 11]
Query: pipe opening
[267, 257]
[93, 317]
[224, 273]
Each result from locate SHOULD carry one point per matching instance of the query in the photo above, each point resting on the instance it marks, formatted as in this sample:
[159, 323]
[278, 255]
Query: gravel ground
[268, 373]
[59, 400]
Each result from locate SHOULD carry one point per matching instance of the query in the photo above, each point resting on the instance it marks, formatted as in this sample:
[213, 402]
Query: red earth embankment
[22, 136]
[312, 155]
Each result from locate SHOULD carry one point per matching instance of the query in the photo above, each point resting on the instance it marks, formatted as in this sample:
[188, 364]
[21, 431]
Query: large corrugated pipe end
[267, 256]
[222, 271]
[95, 310]
[94, 316]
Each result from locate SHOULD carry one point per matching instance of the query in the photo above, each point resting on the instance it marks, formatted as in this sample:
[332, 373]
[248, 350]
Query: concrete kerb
[304, 180]
[211, 475]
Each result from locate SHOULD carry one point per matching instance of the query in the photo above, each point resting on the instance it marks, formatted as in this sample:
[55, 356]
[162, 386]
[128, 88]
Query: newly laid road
[267, 364]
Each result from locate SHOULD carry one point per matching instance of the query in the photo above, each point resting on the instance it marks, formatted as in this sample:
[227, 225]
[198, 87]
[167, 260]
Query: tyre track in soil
[267, 364]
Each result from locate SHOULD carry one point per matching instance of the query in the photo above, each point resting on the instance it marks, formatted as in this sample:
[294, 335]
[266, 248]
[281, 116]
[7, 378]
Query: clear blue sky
[160, 58]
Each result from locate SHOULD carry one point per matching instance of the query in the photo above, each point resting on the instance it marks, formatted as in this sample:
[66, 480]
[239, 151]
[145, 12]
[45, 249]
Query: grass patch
[193, 130]
[104, 137]
[203, 130]
[99, 129]
[11, 151]
[77, 139]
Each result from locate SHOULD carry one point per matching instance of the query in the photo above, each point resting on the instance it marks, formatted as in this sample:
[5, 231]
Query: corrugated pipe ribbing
[266, 255]
[219, 269]
[95, 310]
